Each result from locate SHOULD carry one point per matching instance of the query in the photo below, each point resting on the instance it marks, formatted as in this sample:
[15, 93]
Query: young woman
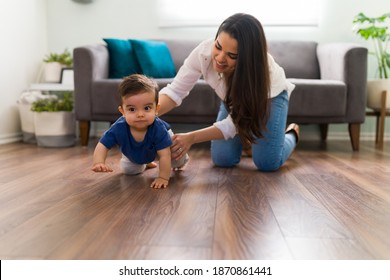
[254, 91]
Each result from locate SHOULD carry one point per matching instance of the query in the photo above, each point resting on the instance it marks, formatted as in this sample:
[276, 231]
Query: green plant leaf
[387, 59]
[64, 58]
[63, 103]
[376, 29]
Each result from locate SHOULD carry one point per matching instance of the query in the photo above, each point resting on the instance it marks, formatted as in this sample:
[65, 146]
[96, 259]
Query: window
[205, 13]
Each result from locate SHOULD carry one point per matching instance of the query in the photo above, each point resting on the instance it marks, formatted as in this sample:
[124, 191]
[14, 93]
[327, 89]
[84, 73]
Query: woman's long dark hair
[247, 96]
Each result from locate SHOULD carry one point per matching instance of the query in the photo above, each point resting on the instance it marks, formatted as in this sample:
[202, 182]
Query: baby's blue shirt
[156, 138]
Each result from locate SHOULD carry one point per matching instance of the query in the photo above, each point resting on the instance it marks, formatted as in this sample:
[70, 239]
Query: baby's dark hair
[136, 84]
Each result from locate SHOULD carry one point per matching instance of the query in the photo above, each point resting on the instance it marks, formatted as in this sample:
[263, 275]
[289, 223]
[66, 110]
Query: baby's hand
[101, 167]
[159, 183]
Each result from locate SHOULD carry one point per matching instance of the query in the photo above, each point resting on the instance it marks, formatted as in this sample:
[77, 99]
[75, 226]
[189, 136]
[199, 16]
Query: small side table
[380, 120]
[65, 84]
[52, 87]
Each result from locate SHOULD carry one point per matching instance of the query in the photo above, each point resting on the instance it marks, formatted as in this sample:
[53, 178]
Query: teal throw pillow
[154, 58]
[123, 61]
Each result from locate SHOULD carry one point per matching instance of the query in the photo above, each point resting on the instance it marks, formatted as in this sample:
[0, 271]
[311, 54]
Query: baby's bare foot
[151, 165]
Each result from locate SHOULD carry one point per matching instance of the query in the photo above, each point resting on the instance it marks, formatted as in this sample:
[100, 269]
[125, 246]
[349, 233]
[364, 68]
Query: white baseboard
[10, 138]
[364, 136]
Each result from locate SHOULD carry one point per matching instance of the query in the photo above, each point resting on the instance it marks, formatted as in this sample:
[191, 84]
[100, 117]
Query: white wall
[23, 44]
[72, 24]
[52, 25]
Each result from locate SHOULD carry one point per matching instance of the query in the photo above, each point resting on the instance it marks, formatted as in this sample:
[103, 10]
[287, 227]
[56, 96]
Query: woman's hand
[182, 143]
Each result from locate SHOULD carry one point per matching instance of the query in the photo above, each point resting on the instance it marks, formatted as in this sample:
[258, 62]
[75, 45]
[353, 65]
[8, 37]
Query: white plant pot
[27, 123]
[55, 129]
[374, 93]
[52, 72]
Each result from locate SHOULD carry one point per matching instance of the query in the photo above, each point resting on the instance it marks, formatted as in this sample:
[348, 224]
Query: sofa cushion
[201, 106]
[298, 58]
[319, 98]
[106, 97]
[180, 49]
[123, 61]
[154, 58]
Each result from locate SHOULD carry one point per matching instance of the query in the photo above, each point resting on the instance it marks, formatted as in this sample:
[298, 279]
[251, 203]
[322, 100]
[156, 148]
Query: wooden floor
[326, 202]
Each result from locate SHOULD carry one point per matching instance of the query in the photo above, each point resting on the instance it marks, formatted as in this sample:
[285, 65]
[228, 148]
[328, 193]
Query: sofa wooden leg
[84, 132]
[324, 131]
[354, 135]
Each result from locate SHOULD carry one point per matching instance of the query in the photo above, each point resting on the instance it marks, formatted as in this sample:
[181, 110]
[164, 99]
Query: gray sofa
[330, 84]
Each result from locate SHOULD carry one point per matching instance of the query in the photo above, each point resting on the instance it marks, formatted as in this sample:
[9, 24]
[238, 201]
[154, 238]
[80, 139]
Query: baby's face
[139, 110]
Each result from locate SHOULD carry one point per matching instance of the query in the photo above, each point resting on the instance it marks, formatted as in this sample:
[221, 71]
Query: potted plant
[54, 62]
[26, 115]
[377, 30]
[54, 121]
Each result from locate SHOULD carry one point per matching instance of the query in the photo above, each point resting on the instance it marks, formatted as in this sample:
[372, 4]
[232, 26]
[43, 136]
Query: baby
[139, 133]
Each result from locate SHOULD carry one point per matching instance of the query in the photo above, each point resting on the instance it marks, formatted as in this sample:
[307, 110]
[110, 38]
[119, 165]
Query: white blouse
[199, 64]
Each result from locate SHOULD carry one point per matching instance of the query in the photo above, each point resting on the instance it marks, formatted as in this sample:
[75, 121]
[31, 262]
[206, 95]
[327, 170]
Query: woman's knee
[224, 161]
[267, 164]
[224, 158]
[226, 153]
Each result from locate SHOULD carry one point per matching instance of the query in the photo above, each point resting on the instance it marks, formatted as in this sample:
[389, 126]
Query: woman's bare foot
[294, 128]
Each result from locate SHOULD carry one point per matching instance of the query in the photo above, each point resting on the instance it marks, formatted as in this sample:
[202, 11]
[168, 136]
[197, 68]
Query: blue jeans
[268, 153]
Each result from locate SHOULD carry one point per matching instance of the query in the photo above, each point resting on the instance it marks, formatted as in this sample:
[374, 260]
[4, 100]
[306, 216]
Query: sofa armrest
[346, 62]
[90, 63]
